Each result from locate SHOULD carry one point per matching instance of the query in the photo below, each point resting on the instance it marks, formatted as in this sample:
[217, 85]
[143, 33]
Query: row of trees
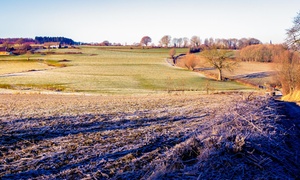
[288, 69]
[37, 40]
[260, 53]
[287, 63]
[62, 40]
[16, 40]
[231, 43]
[196, 42]
[286, 57]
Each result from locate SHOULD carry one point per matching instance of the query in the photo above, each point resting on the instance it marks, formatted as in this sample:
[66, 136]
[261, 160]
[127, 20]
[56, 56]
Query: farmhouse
[3, 51]
[52, 45]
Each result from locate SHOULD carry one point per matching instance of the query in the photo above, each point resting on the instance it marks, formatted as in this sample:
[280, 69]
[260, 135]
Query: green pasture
[104, 70]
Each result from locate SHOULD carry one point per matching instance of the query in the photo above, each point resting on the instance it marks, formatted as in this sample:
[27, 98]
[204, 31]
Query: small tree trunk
[220, 78]
[174, 60]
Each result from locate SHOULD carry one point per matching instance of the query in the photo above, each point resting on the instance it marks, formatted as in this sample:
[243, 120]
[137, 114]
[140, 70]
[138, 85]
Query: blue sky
[126, 21]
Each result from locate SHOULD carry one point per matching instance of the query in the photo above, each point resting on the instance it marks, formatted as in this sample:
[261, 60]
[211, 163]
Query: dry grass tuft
[295, 97]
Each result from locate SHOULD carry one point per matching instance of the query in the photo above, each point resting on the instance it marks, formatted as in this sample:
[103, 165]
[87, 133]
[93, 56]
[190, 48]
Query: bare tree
[179, 42]
[185, 42]
[211, 42]
[293, 34]
[288, 68]
[19, 41]
[225, 43]
[206, 42]
[233, 43]
[242, 43]
[165, 40]
[219, 59]
[105, 43]
[288, 61]
[6, 44]
[145, 40]
[253, 41]
[175, 41]
[195, 41]
[28, 55]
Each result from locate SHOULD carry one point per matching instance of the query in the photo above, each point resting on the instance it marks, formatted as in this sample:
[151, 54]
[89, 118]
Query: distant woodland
[37, 40]
[62, 40]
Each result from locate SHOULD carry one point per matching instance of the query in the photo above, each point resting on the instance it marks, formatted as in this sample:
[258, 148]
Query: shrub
[189, 61]
[288, 68]
[260, 53]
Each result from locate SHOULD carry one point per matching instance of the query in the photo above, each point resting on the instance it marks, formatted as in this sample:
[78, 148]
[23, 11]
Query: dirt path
[292, 112]
[291, 122]
[24, 73]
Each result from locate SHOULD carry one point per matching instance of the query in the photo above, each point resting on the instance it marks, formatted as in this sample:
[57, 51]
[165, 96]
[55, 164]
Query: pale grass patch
[13, 66]
[294, 97]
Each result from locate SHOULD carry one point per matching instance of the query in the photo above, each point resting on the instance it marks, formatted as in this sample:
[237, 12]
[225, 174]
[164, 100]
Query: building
[4, 52]
[52, 45]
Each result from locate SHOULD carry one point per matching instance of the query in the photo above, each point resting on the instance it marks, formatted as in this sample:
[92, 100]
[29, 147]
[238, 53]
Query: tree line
[16, 40]
[37, 40]
[286, 56]
[196, 42]
[62, 40]
[261, 52]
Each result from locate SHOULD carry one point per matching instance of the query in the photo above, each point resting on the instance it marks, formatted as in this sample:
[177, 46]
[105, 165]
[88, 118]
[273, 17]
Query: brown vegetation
[288, 68]
[260, 53]
[145, 40]
[172, 53]
[189, 61]
[165, 40]
[195, 41]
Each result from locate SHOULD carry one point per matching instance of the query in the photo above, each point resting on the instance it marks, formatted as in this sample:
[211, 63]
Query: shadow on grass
[61, 129]
[101, 123]
[254, 75]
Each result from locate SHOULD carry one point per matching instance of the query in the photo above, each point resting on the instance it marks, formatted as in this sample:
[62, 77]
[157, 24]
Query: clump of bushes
[189, 61]
[260, 53]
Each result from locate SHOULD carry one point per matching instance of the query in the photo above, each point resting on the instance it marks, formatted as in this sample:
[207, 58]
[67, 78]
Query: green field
[103, 70]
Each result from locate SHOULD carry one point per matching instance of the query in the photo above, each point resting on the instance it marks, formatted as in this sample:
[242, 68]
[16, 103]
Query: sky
[127, 21]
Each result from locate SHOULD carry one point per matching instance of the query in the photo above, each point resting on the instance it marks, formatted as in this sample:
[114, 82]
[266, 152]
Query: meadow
[103, 70]
[125, 113]
[251, 73]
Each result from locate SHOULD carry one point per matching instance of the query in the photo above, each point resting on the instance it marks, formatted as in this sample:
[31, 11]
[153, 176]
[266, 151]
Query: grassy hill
[104, 70]
[142, 132]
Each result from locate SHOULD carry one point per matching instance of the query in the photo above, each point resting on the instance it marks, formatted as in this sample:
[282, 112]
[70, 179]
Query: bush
[260, 53]
[189, 61]
[288, 68]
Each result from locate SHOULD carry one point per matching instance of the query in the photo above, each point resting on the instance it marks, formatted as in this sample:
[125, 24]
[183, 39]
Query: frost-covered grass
[233, 136]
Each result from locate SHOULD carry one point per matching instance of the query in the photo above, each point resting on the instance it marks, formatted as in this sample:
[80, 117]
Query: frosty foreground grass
[151, 137]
